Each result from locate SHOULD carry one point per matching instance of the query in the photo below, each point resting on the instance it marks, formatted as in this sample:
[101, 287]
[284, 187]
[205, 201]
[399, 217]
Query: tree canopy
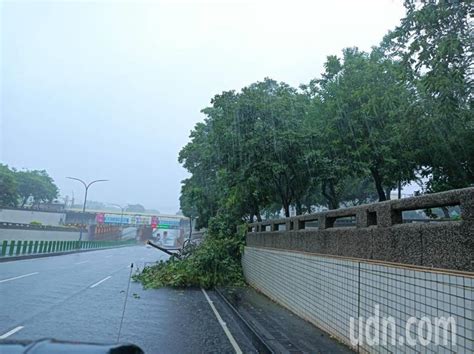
[18, 188]
[8, 187]
[436, 46]
[135, 208]
[370, 123]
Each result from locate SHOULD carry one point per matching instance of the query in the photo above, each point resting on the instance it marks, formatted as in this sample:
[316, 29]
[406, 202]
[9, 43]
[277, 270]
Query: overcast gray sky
[111, 89]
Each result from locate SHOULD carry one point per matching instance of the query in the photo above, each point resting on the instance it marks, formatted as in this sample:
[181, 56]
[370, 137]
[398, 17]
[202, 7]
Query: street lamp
[86, 186]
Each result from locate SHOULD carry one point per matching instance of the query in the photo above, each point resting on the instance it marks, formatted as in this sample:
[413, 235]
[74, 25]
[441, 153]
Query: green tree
[35, 186]
[199, 192]
[247, 153]
[26, 186]
[435, 43]
[135, 208]
[274, 115]
[326, 165]
[357, 191]
[8, 187]
[366, 111]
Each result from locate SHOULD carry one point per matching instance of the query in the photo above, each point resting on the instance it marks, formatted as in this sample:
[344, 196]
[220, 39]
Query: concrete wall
[380, 233]
[27, 216]
[328, 274]
[328, 291]
[74, 217]
[33, 235]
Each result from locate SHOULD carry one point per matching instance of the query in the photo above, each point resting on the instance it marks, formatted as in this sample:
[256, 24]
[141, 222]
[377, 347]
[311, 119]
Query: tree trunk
[388, 192]
[286, 206]
[330, 195]
[299, 208]
[378, 184]
[257, 214]
[399, 189]
[332, 189]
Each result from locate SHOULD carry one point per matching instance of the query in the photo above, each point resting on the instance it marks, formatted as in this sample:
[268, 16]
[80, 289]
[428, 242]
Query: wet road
[81, 297]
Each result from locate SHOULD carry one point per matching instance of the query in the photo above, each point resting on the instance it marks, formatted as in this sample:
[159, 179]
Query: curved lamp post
[122, 209]
[86, 186]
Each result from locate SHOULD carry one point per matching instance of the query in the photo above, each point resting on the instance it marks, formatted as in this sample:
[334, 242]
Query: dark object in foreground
[52, 346]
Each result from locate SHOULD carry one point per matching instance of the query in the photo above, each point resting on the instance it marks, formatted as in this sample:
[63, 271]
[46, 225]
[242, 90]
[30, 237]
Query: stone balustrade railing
[379, 232]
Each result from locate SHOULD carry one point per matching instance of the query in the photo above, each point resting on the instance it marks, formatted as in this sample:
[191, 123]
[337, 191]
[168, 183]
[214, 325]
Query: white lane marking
[82, 262]
[100, 282]
[223, 324]
[9, 333]
[19, 277]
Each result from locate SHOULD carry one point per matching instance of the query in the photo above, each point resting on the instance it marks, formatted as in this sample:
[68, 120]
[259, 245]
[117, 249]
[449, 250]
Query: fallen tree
[214, 262]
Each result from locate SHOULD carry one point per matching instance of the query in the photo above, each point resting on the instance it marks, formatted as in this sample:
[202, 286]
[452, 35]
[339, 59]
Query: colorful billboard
[104, 218]
[153, 221]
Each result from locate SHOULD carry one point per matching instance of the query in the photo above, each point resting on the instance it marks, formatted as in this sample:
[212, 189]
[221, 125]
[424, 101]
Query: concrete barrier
[329, 291]
[328, 274]
[38, 234]
[26, 216]
[379, 232]
[15, 248]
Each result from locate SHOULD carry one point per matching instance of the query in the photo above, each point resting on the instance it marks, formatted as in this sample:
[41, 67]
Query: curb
[44, 255]
[249, 331]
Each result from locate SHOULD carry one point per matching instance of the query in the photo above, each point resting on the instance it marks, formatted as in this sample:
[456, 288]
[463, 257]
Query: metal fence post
[4, 247]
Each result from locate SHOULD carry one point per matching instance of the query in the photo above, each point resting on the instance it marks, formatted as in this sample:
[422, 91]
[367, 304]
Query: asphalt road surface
[80, 297]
